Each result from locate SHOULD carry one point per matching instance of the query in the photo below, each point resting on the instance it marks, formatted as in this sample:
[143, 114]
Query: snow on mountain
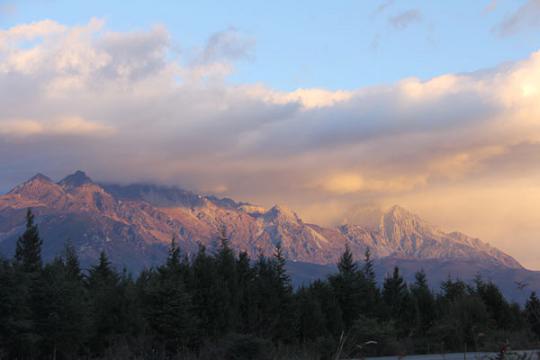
[135, 224]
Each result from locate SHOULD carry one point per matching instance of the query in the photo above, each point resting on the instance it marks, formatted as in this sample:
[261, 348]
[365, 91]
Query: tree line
[223, 305]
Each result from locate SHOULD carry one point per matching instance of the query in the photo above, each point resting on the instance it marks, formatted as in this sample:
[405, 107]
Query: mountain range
[135, 223]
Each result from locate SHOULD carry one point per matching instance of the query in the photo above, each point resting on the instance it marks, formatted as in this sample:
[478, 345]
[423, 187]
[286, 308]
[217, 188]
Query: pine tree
[369, 267]
[532, 312]
[349, 287]
[497, 306]
[284, 328]
[60, 311]
[228, 283]
[16, 339]
[72, 264]
[28, 266]
[329, 306]
[311, 320]
[346, 265]
[167, 304]
[273, 296]
[395, 295]
[246, 292]
[209, 295]
[28, 247]
[105, 305]
[424, 303]
[453, 289]
[371, 306]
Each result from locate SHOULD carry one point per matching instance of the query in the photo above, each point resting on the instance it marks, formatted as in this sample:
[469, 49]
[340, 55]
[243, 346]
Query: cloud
[526, 16]
[405, 19]
[72, 126]
[126, 107]
[228, 44]
[385, 4]
[213, 61]
[347, 183]
[491, 6]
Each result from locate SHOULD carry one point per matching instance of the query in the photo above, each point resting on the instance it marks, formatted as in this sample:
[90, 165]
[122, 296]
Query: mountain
[135, 224]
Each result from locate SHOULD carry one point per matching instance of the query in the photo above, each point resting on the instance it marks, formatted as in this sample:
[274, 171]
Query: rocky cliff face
[135, 224]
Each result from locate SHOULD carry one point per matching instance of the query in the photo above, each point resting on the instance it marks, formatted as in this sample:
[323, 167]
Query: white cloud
[75, 96]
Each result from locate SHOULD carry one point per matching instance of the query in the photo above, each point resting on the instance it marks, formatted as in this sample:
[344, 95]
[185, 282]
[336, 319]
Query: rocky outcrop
[135, 223]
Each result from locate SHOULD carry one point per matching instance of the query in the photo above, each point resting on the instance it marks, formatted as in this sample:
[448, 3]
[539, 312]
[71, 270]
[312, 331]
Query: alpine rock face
[135, 223]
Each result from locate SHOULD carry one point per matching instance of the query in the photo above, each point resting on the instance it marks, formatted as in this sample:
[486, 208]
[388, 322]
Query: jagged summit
[78, 178]
[39, 188]
[397, 213]
[400, 211]
[281, 213]
[40, 177]
[132, 220]
[399, 225]
[33, 181]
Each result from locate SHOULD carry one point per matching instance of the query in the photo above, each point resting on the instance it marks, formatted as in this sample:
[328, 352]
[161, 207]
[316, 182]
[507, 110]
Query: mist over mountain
[135, 223]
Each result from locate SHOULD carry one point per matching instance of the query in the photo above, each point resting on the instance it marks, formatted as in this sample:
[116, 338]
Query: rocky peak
[398, 222]
[39, 188]
[34, 183]
[75, 180]
[40, 177]
[279, 213]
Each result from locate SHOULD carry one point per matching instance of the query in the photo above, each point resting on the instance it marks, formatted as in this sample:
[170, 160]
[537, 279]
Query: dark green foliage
[532, 312]
[28, 247]
[167, 304]
[221, 305]
[105, 293]
[17, 338]
[349, 286]
[398, 303]
[228, 282]
[210, 295]
[273, 297]
[311, 319]
[425, 311]
[496, 304]
[60, 310]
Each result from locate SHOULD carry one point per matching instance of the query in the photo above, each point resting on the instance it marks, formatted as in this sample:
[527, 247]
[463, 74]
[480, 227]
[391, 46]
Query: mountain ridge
[137, 221]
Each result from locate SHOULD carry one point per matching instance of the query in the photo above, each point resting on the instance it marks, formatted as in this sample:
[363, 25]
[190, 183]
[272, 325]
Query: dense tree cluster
[223, 305]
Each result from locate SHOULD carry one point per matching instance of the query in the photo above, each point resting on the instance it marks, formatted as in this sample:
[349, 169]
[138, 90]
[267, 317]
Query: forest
[224, 305]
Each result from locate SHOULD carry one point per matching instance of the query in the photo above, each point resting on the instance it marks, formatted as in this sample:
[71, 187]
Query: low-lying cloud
[122, 107]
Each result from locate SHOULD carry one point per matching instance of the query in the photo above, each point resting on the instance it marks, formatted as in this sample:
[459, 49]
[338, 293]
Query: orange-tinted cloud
[119, 105]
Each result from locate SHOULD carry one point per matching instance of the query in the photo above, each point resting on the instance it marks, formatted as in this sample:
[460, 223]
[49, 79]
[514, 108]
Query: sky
[328, 108]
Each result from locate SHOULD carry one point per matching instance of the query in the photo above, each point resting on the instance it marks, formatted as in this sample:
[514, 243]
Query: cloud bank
[125, 107]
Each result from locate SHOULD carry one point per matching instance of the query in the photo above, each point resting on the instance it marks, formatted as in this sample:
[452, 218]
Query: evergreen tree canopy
[532, 312]
[222, 305]
[28, 247]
